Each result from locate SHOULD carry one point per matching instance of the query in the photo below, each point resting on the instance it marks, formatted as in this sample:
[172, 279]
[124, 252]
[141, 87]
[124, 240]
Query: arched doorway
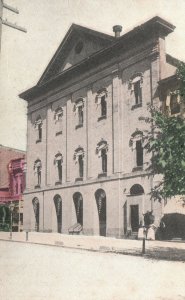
[78, 202]
[58, 206]
[136, 190]
[101, 206]
[36, 208]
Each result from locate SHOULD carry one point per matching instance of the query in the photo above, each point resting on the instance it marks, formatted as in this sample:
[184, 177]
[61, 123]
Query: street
[39, 272]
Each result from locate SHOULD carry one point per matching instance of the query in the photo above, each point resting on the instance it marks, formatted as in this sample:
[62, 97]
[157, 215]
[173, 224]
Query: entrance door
[134, 217]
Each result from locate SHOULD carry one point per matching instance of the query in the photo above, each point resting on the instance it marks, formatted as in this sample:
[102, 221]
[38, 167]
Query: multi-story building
[87, 168]
[12, 184]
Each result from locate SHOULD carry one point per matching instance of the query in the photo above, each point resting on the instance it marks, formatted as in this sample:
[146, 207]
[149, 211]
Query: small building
[87, 168]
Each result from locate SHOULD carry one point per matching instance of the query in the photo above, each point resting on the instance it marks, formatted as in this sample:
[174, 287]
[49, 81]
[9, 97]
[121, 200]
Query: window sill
[58, 182]
[136, 106]
[102, 175]
[37, 186]
[78, 179]
[38, 141]
[102, 118]
[139, 168]
[58, 133]
[78, 126]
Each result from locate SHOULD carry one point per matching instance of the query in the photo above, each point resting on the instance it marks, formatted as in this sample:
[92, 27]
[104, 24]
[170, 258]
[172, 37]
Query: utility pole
[6, 22]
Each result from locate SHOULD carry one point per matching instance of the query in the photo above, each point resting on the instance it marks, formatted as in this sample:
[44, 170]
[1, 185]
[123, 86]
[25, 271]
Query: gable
[78, 44]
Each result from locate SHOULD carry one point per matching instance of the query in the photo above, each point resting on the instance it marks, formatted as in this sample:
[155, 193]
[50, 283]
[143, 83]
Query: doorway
[101, 206]
[134, 212]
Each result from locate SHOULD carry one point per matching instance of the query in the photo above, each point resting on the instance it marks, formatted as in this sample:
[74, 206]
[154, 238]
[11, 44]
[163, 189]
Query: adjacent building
[87, 169]
[12, 184]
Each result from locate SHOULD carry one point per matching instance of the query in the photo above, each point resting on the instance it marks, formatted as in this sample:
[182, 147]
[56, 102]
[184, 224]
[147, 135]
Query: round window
[79, 47]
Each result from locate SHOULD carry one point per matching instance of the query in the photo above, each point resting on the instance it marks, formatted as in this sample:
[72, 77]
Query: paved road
[38, 272]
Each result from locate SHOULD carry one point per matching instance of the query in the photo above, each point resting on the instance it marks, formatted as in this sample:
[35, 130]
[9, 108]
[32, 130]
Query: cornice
[153, 28]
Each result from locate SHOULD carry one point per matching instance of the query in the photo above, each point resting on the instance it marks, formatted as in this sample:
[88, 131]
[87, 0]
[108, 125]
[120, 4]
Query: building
[87, 168]
[12, 184]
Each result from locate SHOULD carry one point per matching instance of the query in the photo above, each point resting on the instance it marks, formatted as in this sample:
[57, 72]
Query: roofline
[173, 60]
[71, 28]
[168, 79]
[10, 148]
[152, 26]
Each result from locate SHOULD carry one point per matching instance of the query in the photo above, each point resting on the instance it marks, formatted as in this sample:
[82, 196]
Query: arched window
[136, 189]
[79, 110]
[58, 206]
[78, 202]
[79, 159]
[37, 170]
[36, 208]
[101, 100]
[58, 119]
[58, 163]
[101, 150]
[135, 85]
[101, 206]
[38, 127]
[137, 147]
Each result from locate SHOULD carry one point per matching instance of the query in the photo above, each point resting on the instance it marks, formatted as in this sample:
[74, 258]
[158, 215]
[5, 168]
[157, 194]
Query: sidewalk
[153, 249]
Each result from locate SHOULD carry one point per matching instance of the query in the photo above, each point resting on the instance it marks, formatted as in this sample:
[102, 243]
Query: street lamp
[11, 207]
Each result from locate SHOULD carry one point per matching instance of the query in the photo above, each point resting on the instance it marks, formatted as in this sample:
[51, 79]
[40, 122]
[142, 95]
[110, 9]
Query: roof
[76, 30]
[6, 155]
[150, 28]
[168, 80]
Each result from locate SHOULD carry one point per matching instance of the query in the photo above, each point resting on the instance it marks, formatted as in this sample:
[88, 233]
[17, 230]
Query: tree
[166, 143]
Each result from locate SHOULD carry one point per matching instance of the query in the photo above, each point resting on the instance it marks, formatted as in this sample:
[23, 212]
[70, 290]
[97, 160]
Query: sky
[24, 56]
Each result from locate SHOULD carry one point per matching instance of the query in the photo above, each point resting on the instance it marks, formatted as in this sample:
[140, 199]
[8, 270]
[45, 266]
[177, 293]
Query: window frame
[38, 127]
[135, 85]
[38, 171]
[169, 97]
[79, 110]
[58, 117]
[101, 100]
[137, 139]
[101, 150]
[59, 158]
[78, 156]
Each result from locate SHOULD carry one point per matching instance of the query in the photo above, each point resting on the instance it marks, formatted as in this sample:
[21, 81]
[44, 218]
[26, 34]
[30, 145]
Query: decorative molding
[58, 111]
[79, 102]
[79, 151]
[58, 156]
[137, 76]
[100, 93]
[38, 122]
[101, 145]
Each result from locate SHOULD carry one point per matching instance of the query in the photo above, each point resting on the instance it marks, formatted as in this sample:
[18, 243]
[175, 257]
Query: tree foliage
[166, 143]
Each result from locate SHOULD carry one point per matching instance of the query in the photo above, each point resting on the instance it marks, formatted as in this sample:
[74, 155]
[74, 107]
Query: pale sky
[24, 57]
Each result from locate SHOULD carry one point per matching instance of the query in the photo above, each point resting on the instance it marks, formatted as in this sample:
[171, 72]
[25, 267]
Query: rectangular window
[40, 132]
[80, 115]
[80, 161]
[16, 187]
[21, 218]
[137, 92]
[103, 106]
[139, 154]
[174, 105]
[104, 160]
[59, 162]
